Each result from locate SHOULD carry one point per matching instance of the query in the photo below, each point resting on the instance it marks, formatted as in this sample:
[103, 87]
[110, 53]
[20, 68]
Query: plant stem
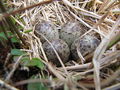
[5, 32]
[13, 28]
[115, 40]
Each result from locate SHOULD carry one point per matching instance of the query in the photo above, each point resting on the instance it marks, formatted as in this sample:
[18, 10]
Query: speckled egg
[70, 31]
[47, 29]
[62, 49]
[85, 45]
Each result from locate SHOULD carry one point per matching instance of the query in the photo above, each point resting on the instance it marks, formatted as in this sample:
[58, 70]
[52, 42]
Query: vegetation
[23, 61]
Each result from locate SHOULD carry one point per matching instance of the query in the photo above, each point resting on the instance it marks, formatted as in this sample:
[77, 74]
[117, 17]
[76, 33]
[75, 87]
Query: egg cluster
[65, 42]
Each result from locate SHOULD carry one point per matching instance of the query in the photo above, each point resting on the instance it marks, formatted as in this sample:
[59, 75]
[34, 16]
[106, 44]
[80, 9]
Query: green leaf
[10, 34]
[17, 52]
[36, 62]
[15, 40]
[27, 31]
[3, 35]
[33, 62]
[20, 27]
[13, 20]
[36, 86]
[25, 60]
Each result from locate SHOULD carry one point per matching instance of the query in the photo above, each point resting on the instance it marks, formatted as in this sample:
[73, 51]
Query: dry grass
[99, 16]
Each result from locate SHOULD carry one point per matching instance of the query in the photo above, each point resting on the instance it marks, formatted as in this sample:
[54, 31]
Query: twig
[77, 67]
[32, 81]
[112, 56]
[104, 82]
[113, 87]
[55, 72]
[13, 28]
[86, 13]
[102, 61]
[115, 39]
[7, 59]
[99, 52]
[9, 87]
[23, 9]
[14, 68]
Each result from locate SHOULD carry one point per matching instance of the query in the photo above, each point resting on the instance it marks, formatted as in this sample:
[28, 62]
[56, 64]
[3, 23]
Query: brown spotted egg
[70, 31]
[85, 45]
[47, 29]
[62, 49]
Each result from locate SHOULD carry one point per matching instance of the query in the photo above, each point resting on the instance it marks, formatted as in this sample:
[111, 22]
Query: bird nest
[99, 18]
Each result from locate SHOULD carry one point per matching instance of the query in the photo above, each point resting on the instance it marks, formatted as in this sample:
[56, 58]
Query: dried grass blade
[112, 56]
[99, 52]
